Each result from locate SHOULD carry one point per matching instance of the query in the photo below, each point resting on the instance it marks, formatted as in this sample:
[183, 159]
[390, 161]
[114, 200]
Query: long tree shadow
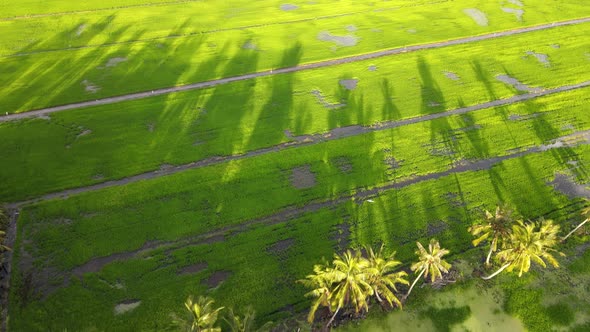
[273, 119]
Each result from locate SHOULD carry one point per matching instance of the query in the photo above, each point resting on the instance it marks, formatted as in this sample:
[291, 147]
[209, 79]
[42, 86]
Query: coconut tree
[496, 227]
[203, 315]
[321, 284]
[585, 213]
[429, 262]
[382, 276]
[350, 279]
[246, 323]
[528, 244]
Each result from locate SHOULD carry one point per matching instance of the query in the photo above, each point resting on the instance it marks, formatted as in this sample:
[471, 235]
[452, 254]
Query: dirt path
[298, 141]
[290, 213]
[308, 66]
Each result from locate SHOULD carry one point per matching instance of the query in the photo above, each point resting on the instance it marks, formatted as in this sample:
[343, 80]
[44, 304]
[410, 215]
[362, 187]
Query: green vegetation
[236, 191]
[59, 59]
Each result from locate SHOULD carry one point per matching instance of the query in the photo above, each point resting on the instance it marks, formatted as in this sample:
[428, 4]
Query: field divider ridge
[302, 67]
[298, 141]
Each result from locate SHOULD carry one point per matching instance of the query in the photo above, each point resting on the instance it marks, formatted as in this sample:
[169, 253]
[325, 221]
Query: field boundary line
[298, 141]
[302, 67]
[359, 194]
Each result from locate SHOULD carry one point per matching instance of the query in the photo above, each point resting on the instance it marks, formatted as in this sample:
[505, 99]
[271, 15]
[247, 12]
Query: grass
[138, 136]
[171, 50]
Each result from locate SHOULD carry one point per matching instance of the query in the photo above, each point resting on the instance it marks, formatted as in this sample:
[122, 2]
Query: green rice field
[235, 187]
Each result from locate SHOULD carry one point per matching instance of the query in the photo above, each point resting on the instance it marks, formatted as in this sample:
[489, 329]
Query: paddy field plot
[236, 190]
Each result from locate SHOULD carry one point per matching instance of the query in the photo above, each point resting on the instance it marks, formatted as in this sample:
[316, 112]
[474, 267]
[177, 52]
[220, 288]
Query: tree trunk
[575, 229]
[497, 272]
[414, 283]
[490, 252]
[333, 316]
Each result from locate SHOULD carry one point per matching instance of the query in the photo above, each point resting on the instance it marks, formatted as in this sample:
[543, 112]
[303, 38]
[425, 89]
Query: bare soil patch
[192, 269]
[126, 306]
[217, 278]
[349, 84]
[477, 15]
[346, 41]
[302, 177]
[372, 68]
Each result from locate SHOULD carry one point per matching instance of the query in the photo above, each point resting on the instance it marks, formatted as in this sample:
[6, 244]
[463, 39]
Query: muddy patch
[372, 68]
[555, 46]
[343, 163]
[340, 132]
[412, 31]
[302, 177]
[436, 227]
[192, 269]
[217, 278]
[347, 41]
[288, 7]
[542, 58]
[452, 76]
[341, 236]
[126, 306]
[151, 127]
[516, 83]
[44, 117]
[280, 248]
[392, 163]
[568, 187]
[322, 100]
[90, 87]
[349, 84]
[114, 62]
[517, 12]
[477, 15]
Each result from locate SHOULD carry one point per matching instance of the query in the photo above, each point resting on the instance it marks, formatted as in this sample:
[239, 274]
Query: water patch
[477, 15]
[349, 84]
[516, 2]
[543, 58]
[351, 28]
[568, 187]
[372, 68]
[249, 45]
[288, 6]
[517, 12]
[90, 87]
[322, 99]
[126, 306]
[115, 61]
[452, 76]
[347, 40]
[516, 83]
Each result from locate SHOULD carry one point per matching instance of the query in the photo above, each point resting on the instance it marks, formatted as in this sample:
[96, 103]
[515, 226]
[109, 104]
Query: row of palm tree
[516, 243]
[353, 278]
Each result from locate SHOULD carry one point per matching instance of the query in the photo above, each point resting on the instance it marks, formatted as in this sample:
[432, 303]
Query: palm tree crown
[496, 227]
[430, 262]
[203, 315]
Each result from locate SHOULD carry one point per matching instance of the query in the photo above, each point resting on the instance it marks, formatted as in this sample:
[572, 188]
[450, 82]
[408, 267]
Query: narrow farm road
[308, 66]
[298, 141]
[290, 213]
